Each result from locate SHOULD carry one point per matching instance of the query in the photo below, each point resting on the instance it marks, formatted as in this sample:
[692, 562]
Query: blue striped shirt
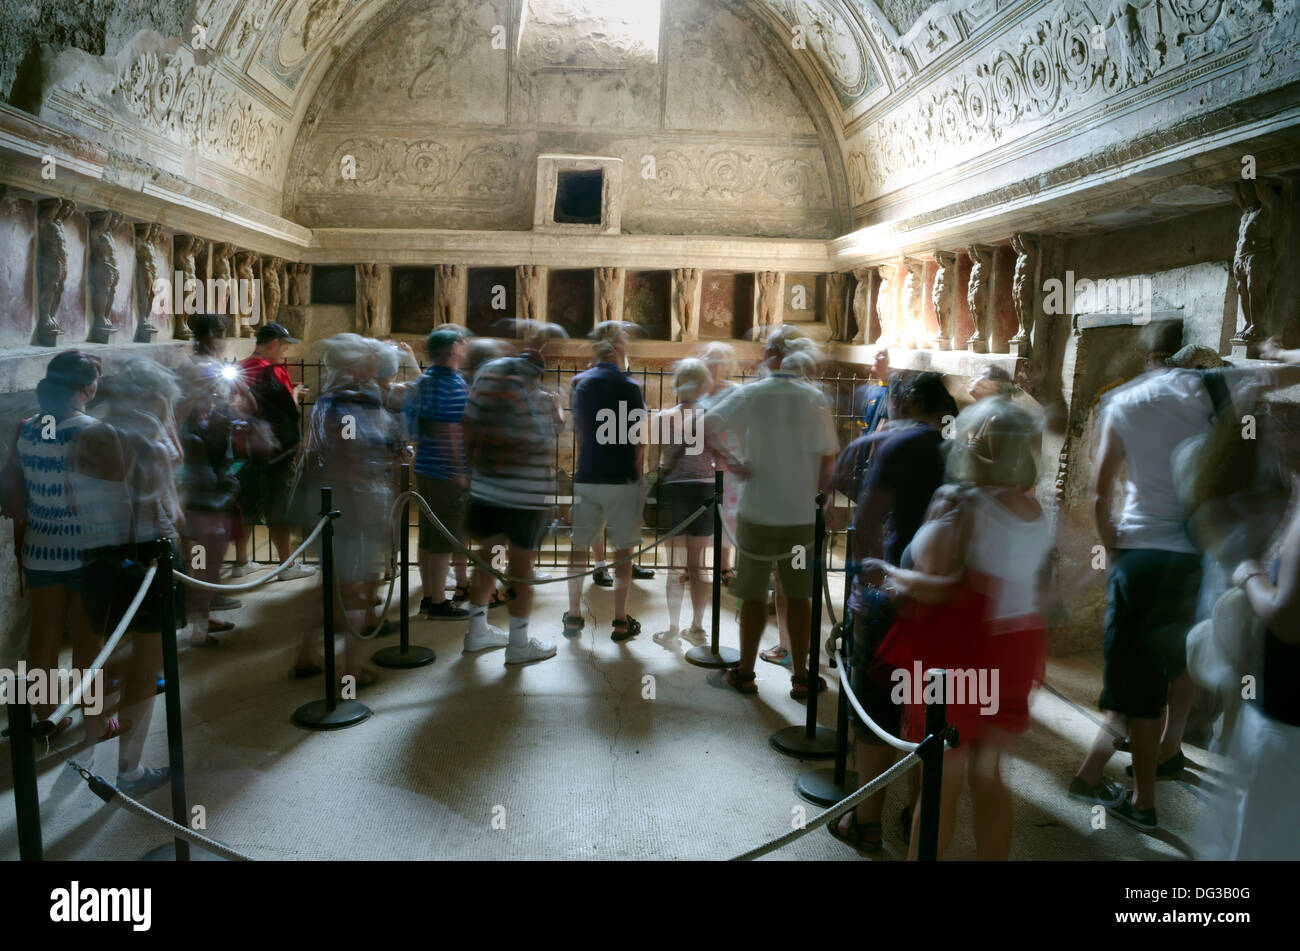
[440, 398]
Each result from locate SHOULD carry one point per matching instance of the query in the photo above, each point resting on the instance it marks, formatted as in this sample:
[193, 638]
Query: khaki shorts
[772, 540]
[616, 507]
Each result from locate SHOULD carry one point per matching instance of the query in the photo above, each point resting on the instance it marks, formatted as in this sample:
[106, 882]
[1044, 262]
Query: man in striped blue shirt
[441, 475]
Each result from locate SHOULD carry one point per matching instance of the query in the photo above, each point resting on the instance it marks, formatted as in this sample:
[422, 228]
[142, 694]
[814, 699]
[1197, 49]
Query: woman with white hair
[352, 443]
[686, 482]
[970, 604]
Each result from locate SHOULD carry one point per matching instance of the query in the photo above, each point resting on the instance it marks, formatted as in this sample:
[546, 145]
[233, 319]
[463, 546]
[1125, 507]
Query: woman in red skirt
[969, 604]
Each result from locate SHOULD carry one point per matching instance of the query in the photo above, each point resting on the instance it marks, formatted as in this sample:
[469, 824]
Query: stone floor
[568, 756]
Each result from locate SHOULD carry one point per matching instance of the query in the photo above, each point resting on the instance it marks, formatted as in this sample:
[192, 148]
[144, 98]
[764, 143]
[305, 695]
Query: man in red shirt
[265, 484]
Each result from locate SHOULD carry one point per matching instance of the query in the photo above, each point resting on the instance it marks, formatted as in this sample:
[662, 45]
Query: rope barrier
[111, 794]
[250, 585]
[102, 658]
[835, 811]
[510, 579]
[885, 736]
[749, 554]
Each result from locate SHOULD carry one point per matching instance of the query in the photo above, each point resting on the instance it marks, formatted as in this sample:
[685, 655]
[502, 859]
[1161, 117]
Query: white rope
[509, 579]
[250, 585]
[835, 811]
[886, 737]
[102, 658]
[136, 808]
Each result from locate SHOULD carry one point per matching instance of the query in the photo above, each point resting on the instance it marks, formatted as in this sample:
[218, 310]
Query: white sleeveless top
[1009, 550]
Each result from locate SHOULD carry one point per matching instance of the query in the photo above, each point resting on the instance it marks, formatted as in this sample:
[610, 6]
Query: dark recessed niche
[491, 305]
[571, 300]
[577, 197]
[413, 293]
[334, 285]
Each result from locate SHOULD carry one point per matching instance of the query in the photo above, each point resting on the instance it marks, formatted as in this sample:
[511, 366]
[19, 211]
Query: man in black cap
[265, 484]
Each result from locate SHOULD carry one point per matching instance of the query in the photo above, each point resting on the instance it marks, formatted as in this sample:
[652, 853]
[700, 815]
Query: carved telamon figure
[272, 281]
[836, 287]
[769, 299]
[51, 267]
[146, 272]
[913, 289]
[368, 297]
[222, 272]
[864, 278]
[186, 249]
[885, 302]
[245, 262]
[1253, 262]
[446, 293]
[609, 285]
[528, 290]
[1022, 285]
[299, 284]
[104, 274]
[686, 315]
[977, 295]
[941, 296]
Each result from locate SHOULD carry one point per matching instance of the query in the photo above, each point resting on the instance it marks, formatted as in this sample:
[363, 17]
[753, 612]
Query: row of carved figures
[272, 276]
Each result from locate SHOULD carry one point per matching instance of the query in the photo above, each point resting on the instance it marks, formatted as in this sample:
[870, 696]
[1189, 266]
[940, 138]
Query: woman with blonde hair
[970, 604]
[686, 482]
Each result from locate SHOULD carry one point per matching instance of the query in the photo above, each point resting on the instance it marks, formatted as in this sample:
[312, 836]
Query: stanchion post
[172, 691]
[931, 752]
[22, 753]
[811, 741]
[404, 655]
[330, 713]
[715, 655]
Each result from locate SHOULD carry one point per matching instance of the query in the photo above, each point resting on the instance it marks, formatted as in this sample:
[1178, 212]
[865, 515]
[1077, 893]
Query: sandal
[460, 594]
[864, 839]
[573, 624]
[728, 577]
[696, 636]
[799, 687]
[219, 627]
[741, 683]
[665, 639]
[776, 655]
[626, 629]
[112, 730]
[497, 600]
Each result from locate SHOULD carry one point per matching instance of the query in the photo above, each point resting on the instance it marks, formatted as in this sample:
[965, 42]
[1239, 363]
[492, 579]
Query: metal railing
[843, 393]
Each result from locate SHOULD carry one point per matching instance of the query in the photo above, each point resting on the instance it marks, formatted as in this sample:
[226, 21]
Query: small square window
[578, 196]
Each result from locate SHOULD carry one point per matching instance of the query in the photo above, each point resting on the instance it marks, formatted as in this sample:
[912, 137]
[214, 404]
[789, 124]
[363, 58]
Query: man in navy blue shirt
[434, 421]
[612, 427]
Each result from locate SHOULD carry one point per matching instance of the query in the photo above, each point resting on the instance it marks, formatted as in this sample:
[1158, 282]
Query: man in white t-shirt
[787, 449]
[1155, 569]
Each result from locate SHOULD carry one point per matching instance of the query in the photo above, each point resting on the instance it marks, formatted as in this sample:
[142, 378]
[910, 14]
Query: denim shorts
[34, 579]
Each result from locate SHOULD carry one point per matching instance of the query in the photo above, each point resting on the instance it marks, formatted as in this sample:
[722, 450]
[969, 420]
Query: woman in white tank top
[970, 605]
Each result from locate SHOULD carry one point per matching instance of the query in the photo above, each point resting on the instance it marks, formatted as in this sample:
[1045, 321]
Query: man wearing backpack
[1155, 568]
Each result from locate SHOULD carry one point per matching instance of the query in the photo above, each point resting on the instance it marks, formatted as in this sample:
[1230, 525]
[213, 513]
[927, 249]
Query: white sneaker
[241, 568]
[490, 639]
[534, 650]
[296, 571]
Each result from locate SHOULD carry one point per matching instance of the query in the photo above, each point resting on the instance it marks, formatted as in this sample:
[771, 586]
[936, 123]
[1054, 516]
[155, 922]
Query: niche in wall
[646, 302]
[413, 297]
[726, 305]
[334, 285]
[491, 308]
[805, 298]
[571, 300]
[578, 194]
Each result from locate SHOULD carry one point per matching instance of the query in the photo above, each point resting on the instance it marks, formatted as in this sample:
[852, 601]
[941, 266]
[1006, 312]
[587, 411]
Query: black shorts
[450, 502]
[679, 500]
[1150, 606]
[264, 489]
[523, 528]
[869, 629]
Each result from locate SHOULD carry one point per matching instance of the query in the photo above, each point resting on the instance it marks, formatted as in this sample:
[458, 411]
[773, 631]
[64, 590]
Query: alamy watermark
[1112, 295]
[44, 687]
[961, 686]
[640, 427]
